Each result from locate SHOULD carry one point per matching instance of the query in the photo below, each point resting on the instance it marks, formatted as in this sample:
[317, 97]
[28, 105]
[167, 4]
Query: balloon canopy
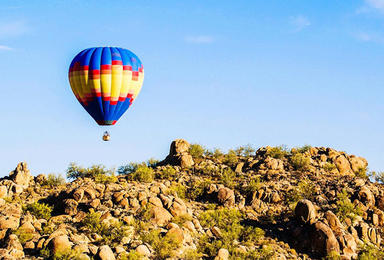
[106, 80]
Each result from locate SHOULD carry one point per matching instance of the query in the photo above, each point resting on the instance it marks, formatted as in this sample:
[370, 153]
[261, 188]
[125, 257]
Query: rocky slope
[305, 203]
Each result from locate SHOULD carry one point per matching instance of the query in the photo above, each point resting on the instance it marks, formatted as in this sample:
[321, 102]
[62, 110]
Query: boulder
[323, 241]
[342, 164]
[226, 197]
[160, 216]
[305, 211]
[105, 253]
[178, 207]
[143, 250]
[366, 197]
[333, 221]
[60, 244]
[223, 254]
[179, 155]
[21, 175]
[357, 163]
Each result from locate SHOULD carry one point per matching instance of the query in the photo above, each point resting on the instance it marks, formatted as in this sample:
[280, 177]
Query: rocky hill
[273, 203]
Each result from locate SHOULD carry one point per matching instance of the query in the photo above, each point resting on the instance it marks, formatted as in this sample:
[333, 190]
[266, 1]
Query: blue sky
[219, 73]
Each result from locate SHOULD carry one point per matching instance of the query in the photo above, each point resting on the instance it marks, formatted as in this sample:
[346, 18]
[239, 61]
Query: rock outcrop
[307, 203]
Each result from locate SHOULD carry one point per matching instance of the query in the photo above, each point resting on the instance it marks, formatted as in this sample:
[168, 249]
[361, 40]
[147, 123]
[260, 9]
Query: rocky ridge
[273, 203]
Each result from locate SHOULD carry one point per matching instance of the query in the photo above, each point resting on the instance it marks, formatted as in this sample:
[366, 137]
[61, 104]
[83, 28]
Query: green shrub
[53, 180]
[300, 162]
[110, 232]
[131, 255]
[197, 188]
[329, 167]
[105, 179]
[152, 162]
[168, 173]
[304, 148]
[345, 208]
[129, 168]
[191, 254]
[74, 171]
[378, 176]
[138, 172]
[333, 255]
[231, 158]
[362, 173]
[228, 178]
[253, 186]
[163, 245]
[196, 151]
[304, 190]
[265, 253]
[278, 152]
[64, 255]
[180, 220]
[229, 223]
[39, 210]
[177, 189]
[370, 252]
[245, 151]
[23, 235]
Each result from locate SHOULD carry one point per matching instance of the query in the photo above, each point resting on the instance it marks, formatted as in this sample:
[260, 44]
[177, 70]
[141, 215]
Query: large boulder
[305, 211]
[323, 241]
[105, 253]
[357, 163]
[60, 244]
[179, 154]
[21, 175]
[226, 197]
[342, 164]
[160, 216]
[367, 197]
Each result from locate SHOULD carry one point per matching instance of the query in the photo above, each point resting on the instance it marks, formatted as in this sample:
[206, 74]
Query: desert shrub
[215, 154]
[329, 167]
[345, 208]
[370, 252]
[246, 151]
[253, 186]
[304, 190]
[129, 168]
[264, 253]
[74, 171]
[278, 152]
[231, 158]
[53, 180]
[138, 172]
[177, 189]
[378, 176]
[304, 148]
[211, 170]
[300, 162]
[48, 228]
[39, 210]
[105, 179]
[197, 188]
[229, 223]
[180, 220]
[167, 173]
[163, 245]
[196, 151]
[228, 178]
[110, 232]
[333, 255]
[191, 254]
[361, 173]
[70, 254]
[131, 255]
[23, 235]
[152, 162]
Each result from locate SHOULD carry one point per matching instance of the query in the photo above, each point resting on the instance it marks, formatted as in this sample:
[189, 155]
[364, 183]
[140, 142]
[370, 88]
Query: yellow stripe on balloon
[117, 79]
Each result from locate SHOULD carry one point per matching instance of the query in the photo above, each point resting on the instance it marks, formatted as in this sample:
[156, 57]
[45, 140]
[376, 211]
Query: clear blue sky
[219, 73]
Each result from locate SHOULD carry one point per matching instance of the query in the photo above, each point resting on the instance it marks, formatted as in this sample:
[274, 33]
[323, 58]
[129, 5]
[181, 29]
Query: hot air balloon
[106, 80]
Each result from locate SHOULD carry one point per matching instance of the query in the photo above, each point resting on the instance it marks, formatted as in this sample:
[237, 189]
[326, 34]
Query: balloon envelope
[106, 80]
